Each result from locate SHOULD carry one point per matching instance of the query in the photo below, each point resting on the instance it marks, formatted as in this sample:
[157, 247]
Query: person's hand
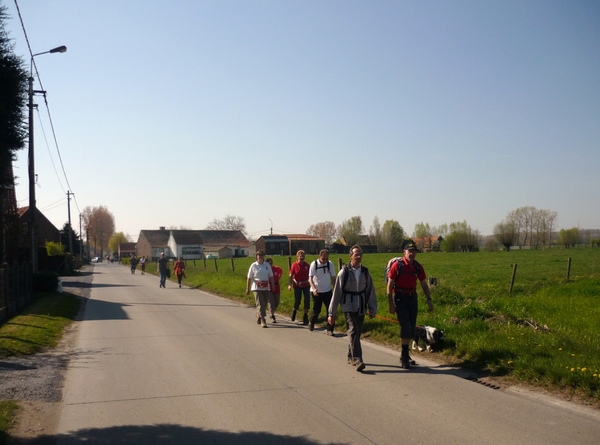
[315, 292]
[330, 320]
[289, 287]
[371, 315]
[392, 309]
[430, 304]
[247, 291]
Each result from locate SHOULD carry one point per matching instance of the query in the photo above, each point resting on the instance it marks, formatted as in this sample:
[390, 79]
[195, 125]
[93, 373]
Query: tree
[13, 94]
[376, 235]
[569, 237]
[393, 236]
[229, 222]
[461, 238]
[351, 230]
[100, 225]
[326, 230]
[506, 234]
[116, 239]
[532, 226]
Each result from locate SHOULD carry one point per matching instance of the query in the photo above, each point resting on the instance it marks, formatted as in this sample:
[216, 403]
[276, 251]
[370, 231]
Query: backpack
[359, 294]
[398, 259]
[326, 266]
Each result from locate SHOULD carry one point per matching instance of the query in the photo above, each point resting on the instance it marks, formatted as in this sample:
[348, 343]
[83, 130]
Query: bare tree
[229, 222]
[326, 230]
[100, 225]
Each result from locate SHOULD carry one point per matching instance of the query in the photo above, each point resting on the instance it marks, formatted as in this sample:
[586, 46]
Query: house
[225, 243]
[192, 244]
[289, 244]
[364, 241]
[429, 243]
[44, 230]
[126, 250]
[186, 244]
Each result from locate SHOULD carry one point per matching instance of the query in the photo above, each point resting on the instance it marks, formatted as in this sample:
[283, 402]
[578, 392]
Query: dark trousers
[355, 324]
[407, 307]
[322, 298]
[179, 278]
[298, 293]
[163, 277]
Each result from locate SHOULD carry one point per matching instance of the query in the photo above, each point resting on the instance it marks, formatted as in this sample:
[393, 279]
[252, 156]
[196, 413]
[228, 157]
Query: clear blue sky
[174, 113]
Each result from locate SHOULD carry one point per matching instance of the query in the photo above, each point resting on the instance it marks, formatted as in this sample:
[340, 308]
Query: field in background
[545, 332]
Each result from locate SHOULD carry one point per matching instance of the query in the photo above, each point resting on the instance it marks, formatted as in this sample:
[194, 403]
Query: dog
[427, 335]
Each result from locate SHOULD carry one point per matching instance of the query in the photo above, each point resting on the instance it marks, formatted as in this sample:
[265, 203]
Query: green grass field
[546, 332]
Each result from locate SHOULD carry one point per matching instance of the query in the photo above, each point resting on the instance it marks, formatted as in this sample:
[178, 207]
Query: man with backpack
[354, 290]
[322, 278]
[402, 295]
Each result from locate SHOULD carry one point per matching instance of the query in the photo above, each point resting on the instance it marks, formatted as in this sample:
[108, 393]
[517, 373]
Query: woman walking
[179, 270]
[260, 280]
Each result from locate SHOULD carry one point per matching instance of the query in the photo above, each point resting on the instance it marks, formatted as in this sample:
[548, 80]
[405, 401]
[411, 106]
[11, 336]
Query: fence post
[340, 264]
[205, 262]
[289, 262]
[514, 274]
[232, 265]
[568, 269]
[216, 267]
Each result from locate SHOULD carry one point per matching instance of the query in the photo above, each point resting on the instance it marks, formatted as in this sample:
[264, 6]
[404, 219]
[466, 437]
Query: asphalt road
[180, 366]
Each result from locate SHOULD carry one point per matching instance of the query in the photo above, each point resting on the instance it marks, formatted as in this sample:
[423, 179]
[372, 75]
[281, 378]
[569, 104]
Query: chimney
[161, 228]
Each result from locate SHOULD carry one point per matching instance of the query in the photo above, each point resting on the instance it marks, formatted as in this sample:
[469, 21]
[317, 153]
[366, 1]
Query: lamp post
[31, 159]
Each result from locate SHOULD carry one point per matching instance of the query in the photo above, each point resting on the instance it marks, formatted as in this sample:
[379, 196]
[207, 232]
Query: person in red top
[274, 298]
[299, 281]
[179, 270]
[402, 296]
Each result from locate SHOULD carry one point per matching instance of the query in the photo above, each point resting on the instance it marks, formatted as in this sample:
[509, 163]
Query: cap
[410, 246]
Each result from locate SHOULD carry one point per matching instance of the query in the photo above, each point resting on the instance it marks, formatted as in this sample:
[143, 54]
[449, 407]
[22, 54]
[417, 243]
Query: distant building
[126, 250]
[364, 241]
[192, 244]
[289, 244]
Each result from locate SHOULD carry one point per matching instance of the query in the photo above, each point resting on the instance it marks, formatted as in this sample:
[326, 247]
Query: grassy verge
[545, 332]
[40, 325]
[8, 413]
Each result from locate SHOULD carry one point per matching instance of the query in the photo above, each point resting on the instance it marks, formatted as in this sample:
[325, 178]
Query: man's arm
[427, 293]
[390, 292]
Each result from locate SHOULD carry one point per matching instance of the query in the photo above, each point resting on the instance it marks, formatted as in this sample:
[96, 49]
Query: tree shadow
[164, 434]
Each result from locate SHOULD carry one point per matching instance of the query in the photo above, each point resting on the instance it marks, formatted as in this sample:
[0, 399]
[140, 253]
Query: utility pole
[80, 242]
[70, 227]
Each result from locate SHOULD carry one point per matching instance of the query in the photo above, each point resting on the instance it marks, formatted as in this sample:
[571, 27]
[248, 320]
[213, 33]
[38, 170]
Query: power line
[34, 66]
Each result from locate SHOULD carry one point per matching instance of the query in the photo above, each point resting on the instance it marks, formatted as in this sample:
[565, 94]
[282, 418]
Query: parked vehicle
[97, 259]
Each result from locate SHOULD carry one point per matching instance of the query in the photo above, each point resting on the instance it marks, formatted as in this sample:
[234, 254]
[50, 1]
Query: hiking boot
[294, 315]
[305, 320]
[405, 361]
[330, 333]
[359, 365]
[257, 319]
[263, 322]
[273, 319]
[311, 325]
[350, 361]
[410, 360]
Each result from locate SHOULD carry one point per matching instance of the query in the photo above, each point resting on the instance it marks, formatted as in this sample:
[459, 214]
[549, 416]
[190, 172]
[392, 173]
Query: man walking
[299, 281]
[322, 278]
[162, 269]
[402, 296]
[354, 290]
[260, 281]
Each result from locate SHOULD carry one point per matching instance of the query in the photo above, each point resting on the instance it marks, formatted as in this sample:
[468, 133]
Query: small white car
[97, 259]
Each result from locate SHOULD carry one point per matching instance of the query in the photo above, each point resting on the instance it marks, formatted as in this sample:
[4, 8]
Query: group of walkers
[351, 288]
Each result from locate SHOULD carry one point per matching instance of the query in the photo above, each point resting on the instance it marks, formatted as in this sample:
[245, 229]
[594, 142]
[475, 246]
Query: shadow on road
[167, 434]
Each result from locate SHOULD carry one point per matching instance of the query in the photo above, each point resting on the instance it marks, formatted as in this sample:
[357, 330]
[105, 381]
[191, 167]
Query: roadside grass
[39, 325]
[8, 413]
[546, 332]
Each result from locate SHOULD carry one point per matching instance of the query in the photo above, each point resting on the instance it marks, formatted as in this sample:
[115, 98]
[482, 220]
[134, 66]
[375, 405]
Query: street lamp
[32, 209]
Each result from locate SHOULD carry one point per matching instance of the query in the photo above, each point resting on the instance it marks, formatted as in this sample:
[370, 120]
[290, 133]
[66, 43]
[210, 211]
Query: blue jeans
[163, 277]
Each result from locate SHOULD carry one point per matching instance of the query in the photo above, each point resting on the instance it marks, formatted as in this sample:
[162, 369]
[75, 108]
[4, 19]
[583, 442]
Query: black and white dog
[427, 335]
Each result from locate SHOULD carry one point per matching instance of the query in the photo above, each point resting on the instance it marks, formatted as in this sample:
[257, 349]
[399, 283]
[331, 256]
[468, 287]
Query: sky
[289, 113]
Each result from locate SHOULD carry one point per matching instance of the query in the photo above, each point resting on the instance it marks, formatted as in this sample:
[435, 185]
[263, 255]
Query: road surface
[180, 366]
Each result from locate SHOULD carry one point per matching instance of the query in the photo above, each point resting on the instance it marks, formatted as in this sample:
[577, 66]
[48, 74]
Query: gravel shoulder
[36, 381]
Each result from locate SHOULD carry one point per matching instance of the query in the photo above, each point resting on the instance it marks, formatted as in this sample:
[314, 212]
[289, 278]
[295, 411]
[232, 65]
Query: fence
[15, 289]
